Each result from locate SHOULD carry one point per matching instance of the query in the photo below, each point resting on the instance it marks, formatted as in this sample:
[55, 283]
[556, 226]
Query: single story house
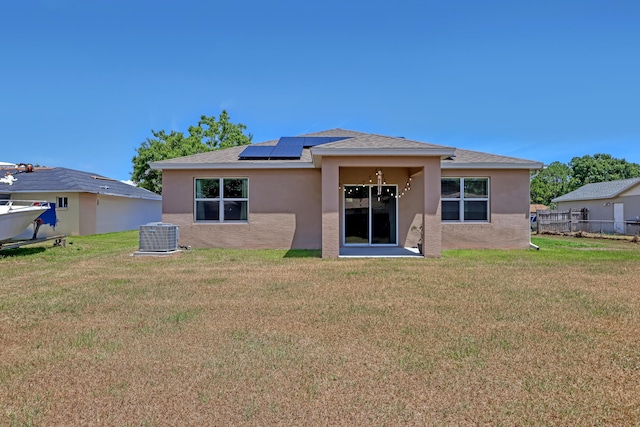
[615, 202]
[535, 207]
[86, 203]
[341, 190]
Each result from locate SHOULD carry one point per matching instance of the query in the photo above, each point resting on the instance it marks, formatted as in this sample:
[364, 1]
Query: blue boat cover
[49, 216]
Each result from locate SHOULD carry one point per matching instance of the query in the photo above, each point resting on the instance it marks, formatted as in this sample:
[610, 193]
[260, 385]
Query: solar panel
[256, 152]
[286, 151]
[291, 140]
[288, 147]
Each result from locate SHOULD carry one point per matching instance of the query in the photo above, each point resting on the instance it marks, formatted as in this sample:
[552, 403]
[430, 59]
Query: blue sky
[82, 83]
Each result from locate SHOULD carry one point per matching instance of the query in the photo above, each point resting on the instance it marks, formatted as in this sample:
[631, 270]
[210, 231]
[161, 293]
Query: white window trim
[462, 199]
[220, 201]
[66, 206]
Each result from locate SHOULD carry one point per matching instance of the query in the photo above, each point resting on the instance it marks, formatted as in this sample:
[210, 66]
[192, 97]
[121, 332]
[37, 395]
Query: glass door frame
[344, 216]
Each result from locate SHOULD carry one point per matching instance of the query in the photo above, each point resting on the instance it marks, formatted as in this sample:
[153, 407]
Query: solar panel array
[256, 152]
[286, 151]
[287, 148]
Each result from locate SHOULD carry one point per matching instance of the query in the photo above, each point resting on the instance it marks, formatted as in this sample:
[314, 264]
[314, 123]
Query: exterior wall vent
[159, 237]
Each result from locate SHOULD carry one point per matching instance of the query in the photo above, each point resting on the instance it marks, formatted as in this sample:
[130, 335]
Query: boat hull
[15, 220]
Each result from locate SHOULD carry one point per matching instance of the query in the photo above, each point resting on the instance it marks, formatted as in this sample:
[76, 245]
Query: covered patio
[420, 208]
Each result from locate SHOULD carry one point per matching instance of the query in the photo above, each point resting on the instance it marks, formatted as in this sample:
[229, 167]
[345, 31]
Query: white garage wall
[120, 213]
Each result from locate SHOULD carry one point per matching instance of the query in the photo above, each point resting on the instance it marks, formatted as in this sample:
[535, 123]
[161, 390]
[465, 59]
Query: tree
[209, 134]
[600, 168]
[220, 134]
[549, 183]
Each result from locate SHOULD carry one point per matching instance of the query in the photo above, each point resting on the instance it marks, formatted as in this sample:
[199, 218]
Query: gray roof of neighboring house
[63, 180]
[599, 190]
[356, 142]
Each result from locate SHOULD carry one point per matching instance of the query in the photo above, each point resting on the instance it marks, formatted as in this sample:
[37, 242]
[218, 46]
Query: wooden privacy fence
[561, 221]
[574, 220]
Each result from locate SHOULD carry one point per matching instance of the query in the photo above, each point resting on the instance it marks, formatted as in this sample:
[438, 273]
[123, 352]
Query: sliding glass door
[370, 217]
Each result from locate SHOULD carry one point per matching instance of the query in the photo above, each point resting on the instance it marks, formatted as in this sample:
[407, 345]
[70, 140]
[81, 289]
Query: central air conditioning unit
[159, 237]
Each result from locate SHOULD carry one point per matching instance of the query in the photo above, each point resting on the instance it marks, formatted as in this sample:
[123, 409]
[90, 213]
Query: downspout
[531, 177]
[531, 245]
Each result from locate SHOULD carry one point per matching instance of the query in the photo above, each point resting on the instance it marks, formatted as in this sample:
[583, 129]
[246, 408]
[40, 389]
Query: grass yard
[90, 335]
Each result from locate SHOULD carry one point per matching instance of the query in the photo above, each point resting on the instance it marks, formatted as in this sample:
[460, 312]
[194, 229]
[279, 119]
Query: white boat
[17, 215]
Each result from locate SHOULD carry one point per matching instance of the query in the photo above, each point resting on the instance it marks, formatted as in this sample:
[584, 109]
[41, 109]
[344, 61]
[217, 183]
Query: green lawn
[91, 335]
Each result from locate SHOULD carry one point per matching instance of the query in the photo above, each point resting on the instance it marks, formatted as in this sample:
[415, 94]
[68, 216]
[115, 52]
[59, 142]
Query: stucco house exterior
[339, 189]
[86, 203]
[615, 202]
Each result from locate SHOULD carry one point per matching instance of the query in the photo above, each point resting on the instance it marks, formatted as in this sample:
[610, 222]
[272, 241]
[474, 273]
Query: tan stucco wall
[284, 209]
[302, 208]
[330, 209]
[68, 219]
[88, 205]
[508, 227]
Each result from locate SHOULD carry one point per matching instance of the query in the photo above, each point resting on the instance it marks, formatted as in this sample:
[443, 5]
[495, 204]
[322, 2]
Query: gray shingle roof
[357, 141]
[49, 180]
[599, 190]
[370, 140]
[468, 156]
[378, 141]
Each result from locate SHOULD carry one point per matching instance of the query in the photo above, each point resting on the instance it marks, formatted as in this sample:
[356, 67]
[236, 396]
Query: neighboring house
[613, 201]
[338, 190]
[86, 203]
[535, 207]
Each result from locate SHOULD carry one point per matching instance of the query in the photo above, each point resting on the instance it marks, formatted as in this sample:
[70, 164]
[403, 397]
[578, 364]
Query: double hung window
[465, 199]
[221, 199]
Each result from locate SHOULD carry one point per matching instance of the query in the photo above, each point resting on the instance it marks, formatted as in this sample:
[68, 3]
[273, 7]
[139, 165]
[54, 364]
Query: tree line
[560, 178]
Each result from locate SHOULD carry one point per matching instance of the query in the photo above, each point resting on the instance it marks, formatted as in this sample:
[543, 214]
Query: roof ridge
[311, 134]
[400, 138]
[611, 182]
[374, 134]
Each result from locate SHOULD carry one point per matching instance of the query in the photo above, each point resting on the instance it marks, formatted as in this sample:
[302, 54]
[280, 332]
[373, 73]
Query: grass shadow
[6, 253]
[303, 253]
